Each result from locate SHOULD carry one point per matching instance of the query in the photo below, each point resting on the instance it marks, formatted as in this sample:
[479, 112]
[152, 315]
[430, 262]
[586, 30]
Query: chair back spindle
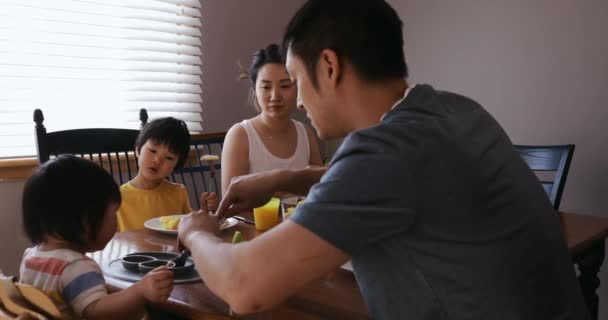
[549, 159]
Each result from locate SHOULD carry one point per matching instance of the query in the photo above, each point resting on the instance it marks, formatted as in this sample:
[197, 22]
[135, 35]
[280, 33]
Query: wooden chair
[555, 159]
[114, 149]
[198, 175]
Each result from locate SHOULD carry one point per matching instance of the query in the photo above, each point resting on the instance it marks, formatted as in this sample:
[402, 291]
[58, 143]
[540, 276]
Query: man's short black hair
[366, 33]
[67, 197]
[168, 131]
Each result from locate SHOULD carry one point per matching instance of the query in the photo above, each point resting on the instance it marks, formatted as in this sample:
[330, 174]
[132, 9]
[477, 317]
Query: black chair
[113, 149]
[198, 175]
[543, 159]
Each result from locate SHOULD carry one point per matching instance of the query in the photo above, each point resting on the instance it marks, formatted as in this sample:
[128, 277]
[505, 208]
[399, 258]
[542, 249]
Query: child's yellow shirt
[140, 205]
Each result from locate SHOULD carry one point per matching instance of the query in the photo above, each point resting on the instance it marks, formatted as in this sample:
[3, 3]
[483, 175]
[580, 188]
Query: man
[441, 217]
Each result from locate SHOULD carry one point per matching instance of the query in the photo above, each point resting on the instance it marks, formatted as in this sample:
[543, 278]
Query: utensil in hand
[245, 220]
[209, 159]
[180, 260]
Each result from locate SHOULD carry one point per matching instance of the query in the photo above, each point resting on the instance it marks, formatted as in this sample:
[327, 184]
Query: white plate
[155, 224]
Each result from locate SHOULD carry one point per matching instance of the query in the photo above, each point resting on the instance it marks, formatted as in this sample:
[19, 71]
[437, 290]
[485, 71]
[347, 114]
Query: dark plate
[184, 271]
[114, 269]
[131, 261]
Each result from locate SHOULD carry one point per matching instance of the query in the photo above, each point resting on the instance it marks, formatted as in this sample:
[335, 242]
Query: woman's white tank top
[260, 159]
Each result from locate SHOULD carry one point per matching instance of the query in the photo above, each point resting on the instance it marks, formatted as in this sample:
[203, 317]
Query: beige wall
[540, 67]
[12, 240]
[233, 30]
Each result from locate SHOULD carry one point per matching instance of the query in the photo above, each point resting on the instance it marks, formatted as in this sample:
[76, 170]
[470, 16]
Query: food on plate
[289, 208]
[238, 237]
[288, 213]
[170, 222]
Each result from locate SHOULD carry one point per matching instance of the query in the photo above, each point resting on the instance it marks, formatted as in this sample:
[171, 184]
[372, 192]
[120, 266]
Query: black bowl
[148, 266]
[131, 262]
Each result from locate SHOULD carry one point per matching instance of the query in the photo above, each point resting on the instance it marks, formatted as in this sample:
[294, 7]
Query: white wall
[233, 30]
[539, 67]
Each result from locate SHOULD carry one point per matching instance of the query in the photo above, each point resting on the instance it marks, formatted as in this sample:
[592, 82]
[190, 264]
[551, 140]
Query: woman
[271, 140]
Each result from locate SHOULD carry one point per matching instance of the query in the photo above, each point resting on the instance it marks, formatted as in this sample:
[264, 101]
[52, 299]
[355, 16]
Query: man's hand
[248, 192]
[193, 223]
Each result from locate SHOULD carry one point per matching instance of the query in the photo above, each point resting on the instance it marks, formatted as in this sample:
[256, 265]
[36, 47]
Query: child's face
[156, 161]
[109, 226]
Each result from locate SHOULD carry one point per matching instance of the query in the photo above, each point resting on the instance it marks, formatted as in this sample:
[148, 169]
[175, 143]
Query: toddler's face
[156, 161]
[108, 228]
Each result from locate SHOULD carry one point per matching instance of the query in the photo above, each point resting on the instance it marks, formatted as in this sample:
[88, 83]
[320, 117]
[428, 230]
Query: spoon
[180, 260]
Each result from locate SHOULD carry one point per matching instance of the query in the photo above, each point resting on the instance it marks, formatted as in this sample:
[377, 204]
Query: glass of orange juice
[267, 216]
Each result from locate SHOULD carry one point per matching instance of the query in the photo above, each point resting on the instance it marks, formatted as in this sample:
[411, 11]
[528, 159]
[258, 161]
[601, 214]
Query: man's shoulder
[425, 102]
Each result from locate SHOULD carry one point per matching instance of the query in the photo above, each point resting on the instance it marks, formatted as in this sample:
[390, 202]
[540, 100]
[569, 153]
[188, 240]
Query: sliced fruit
[238, 237]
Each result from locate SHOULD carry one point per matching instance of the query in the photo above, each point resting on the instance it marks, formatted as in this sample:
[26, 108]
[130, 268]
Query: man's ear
[330, 67]
[137, 148]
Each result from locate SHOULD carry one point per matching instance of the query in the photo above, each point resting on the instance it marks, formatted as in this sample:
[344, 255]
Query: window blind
[95, 63]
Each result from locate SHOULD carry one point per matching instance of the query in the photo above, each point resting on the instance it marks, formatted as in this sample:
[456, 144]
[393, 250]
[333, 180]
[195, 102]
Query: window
[95, 63]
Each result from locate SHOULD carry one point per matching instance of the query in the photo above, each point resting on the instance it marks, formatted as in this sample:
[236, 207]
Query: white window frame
[95, 63]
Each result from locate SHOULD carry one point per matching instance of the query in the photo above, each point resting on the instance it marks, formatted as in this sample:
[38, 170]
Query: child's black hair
[67, 197]
[169, 131]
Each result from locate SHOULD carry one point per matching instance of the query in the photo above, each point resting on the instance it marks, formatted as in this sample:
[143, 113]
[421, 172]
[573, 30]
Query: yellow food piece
[210, 157]
[238, 237]
[170, 222]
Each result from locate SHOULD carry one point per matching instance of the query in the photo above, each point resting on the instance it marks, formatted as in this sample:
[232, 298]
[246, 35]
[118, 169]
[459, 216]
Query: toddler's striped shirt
[71, 279]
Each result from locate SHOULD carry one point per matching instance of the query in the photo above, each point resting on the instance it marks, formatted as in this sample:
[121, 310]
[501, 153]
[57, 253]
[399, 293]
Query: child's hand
[209, 202]
[157, 284]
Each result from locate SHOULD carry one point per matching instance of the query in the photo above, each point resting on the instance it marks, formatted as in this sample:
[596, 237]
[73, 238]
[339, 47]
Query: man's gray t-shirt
[443, 219]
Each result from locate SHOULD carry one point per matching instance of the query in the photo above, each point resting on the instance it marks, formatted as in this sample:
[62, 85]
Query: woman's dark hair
[271, 54]
[67, 197]
[367, 34]
[168, 131]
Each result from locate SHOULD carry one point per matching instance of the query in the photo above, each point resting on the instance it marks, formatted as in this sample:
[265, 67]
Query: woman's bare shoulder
[236, 131]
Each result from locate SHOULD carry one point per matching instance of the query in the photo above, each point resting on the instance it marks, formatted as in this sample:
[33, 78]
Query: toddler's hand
[157, 284]
[209, 202]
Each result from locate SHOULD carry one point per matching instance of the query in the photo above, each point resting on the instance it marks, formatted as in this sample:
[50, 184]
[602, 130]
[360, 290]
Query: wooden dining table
[586, 238]
[334, 296]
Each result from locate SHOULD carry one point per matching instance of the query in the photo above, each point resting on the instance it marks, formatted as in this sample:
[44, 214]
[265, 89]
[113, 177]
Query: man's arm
[254, 275]
[254, 190]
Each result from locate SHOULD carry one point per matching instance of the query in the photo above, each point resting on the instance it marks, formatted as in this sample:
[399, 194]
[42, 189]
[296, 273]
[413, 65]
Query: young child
[162, 146]
[69, 209]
